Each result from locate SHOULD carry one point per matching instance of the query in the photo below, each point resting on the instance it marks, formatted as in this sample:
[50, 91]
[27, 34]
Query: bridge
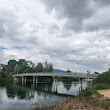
[24, 76]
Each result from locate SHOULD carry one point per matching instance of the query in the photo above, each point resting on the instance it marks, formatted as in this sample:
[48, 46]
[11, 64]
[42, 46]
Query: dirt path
[105, 93]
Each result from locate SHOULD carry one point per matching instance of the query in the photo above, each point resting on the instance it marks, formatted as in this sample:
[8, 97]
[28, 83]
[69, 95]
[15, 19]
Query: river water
[27, 96]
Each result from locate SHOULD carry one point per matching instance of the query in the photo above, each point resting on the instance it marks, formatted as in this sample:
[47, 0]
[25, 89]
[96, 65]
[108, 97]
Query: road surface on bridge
[53, 75]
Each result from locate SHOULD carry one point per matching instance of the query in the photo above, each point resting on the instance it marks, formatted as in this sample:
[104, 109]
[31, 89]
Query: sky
[71, 34]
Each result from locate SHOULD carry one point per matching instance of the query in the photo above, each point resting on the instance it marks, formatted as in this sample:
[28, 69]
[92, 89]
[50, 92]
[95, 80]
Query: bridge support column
[54, 84]
[22, 80]
[81, 84]
[33, 79]
[25, 80]
[54, 79]
[36, 80]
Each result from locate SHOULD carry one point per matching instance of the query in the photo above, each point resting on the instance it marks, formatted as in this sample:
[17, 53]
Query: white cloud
[29, 31]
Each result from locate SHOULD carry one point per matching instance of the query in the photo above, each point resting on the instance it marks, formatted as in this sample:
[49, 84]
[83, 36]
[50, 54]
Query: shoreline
[72, 103]
[105, 93]
[94, 102]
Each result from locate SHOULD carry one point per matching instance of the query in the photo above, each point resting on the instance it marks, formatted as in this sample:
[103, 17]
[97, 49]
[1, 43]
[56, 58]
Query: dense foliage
[23, 66]
[102, 81]
[5, 78]
[103, 78]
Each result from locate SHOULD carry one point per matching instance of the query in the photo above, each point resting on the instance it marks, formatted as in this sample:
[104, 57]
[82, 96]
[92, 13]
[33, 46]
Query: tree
[39, 67]
[11, 64]
[22, 62]
[16, 69]
[48, 67]
[88, 73]
[31, 64]
[96, 72]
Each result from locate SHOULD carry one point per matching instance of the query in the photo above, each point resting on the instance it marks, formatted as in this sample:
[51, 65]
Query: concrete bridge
[34, 76]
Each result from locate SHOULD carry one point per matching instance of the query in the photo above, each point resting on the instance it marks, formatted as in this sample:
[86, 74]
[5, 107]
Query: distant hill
[63, 71]
[58, 71]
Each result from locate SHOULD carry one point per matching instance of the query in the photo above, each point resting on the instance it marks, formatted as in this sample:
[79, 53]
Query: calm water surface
[24, 97]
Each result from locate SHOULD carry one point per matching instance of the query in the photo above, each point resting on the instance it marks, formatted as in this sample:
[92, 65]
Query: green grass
[100, 86]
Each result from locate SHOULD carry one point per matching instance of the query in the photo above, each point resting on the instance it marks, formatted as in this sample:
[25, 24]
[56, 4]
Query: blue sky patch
[2, 48]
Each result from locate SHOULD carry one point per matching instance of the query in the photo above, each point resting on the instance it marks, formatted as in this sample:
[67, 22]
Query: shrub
[103, 78]
[101, 86]
[85, 92]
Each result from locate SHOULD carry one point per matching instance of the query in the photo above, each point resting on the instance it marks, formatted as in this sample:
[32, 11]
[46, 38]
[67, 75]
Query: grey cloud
[103, 2]
[100, 20]
[9, 26]
[74, 10]
[53, 28]
[77, 11]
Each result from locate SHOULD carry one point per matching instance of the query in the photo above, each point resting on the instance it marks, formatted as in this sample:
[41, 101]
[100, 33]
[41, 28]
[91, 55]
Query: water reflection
[55, 88]
[67, 85]
[21, 97]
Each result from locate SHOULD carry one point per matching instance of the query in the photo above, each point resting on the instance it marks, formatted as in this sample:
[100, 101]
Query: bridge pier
[36, 80]
[81, 84]
[33, 79]
[25, 80]
[54, 79]
[22, 80]
[54, 85]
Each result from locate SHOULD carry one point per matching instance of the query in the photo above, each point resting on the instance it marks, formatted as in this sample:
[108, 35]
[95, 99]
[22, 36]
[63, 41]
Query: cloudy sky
[72, 34]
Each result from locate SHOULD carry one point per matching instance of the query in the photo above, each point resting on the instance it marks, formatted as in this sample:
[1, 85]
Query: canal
[27, 96]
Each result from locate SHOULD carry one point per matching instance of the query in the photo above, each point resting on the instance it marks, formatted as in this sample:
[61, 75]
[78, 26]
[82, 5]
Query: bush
[101, 86]
[5, 78]
[103, 78]
[85, 92]
[102, 81]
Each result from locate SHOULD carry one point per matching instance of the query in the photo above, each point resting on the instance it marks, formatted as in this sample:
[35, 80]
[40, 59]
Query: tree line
[22, 66]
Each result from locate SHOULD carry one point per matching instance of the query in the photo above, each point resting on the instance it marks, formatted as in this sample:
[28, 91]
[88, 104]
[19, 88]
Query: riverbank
[105, 93]
[94, 102]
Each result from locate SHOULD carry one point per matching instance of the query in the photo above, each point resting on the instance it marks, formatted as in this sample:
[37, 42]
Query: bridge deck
[53, 75]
